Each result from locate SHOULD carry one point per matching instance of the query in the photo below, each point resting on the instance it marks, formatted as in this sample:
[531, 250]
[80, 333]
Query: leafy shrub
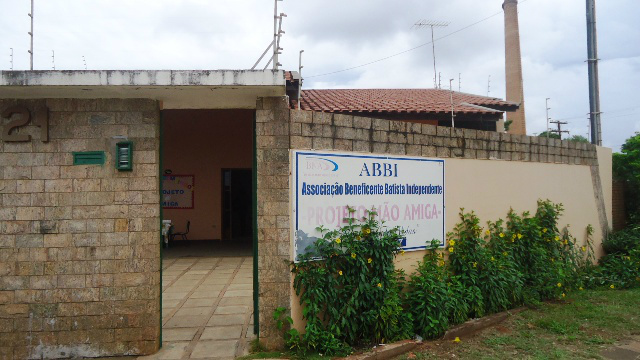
[623, 241]
[350, 290]
[428, 295]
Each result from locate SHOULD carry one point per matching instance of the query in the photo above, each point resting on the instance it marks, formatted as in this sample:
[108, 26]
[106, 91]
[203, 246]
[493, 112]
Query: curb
[387, 351]
[475, 325]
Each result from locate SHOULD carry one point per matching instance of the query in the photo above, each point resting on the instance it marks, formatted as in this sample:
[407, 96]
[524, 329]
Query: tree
[626, 168]
[579, 138]
[551, 135]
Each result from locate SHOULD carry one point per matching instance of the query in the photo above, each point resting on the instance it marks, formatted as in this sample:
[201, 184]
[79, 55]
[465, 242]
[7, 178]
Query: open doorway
[207, 273]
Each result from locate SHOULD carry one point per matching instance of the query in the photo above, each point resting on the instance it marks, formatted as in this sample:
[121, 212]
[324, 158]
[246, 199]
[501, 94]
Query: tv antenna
[421, 24]
[459, 82]
[53, 59]
[31, 35]
[489, 86]
[11, 58]
[85, 62]
[275, 43]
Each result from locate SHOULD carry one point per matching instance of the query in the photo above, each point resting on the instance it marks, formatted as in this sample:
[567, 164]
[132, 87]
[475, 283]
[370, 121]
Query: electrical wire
[408, 50]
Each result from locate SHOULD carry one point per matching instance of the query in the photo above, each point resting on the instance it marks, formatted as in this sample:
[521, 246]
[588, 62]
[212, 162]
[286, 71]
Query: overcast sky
[339, 34]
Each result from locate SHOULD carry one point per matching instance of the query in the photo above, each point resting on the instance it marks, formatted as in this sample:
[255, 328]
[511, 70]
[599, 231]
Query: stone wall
[326, 131]
[279, 130]
[272, 152]
[79, 245]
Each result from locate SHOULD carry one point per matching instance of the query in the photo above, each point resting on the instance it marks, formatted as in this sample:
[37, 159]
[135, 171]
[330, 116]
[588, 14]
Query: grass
[579, 327]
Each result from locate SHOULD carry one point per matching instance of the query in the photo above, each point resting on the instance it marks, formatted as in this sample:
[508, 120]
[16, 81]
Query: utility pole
[559, 131]
[300, 84]
[594, 81]
[423, 24]
[453, 115]
[31, 34]
[548, 118]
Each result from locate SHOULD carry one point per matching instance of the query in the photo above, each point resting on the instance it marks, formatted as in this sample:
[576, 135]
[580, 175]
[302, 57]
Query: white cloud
[338, 34]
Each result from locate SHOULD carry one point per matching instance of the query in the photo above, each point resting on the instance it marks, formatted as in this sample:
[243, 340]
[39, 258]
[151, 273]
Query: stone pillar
[513, 67]
[274, 275]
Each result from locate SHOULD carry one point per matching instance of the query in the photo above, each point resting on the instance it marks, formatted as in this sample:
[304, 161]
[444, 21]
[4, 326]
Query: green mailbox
[124, 156]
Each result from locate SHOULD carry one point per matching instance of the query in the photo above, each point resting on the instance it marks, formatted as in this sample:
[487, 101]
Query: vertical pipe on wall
[256, 286]
[161, 156]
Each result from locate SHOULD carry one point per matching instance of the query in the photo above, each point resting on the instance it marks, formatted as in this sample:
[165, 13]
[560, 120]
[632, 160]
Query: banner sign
[177, 191]
[407, 192]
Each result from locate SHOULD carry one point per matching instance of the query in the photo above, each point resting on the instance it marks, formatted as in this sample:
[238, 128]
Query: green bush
[623, 241]
[352, 295]
[350, 290]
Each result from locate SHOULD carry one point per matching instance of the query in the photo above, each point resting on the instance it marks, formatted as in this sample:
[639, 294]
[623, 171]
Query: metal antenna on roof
[85, 62]
[31, 35]
[11, 58]
[275, 43]
[53, 59]
[453, 115]
[459, 82]
[421, 24]
[300, 84]
[489, 86]
[439, 81]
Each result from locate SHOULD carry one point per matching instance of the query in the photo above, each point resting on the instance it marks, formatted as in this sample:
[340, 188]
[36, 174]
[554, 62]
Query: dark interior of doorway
[237, 224]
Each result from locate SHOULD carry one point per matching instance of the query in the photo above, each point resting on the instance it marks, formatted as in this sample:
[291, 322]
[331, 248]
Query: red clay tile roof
[400, 101]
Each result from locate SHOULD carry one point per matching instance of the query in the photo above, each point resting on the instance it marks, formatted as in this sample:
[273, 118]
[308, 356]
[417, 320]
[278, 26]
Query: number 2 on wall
[41, 120]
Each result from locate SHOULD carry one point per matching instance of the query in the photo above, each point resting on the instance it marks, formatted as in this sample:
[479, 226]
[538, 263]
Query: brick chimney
[513, 66]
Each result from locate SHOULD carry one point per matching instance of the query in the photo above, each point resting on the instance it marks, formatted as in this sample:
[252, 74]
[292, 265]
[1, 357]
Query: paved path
[207, 308]
[625, 350]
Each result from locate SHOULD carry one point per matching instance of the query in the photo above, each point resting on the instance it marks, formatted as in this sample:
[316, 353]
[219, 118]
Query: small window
[89, 158]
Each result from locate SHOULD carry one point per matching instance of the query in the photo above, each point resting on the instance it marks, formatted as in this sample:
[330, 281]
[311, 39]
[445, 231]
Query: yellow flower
[505, 253]
[379, 285]
[451, 249]
[488, 232]
[353, 255]
[456, 340]
[367, 231]
[338, 241]
[401, 252]
[370, 260]
[584, 248]
[440, 263]
[493, 259]
[358, 237]
[612, 286]
[563, 295]
[501, 235]
[628, 257]
[513, 236]
[452, 242]
[475, 264]
[557, 238]
[559, 284]
[581, 288]
[519, 236]
[439, 255]
[544, 230]
[553, 260]
[340, 272]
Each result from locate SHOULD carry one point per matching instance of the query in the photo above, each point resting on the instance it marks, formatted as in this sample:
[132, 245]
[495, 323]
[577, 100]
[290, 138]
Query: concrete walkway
[207, 308]
[625, 350]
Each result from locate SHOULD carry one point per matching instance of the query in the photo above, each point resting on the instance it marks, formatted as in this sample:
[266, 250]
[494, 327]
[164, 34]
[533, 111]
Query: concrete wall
[202, 143]
[487, 172]
[79, 245]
